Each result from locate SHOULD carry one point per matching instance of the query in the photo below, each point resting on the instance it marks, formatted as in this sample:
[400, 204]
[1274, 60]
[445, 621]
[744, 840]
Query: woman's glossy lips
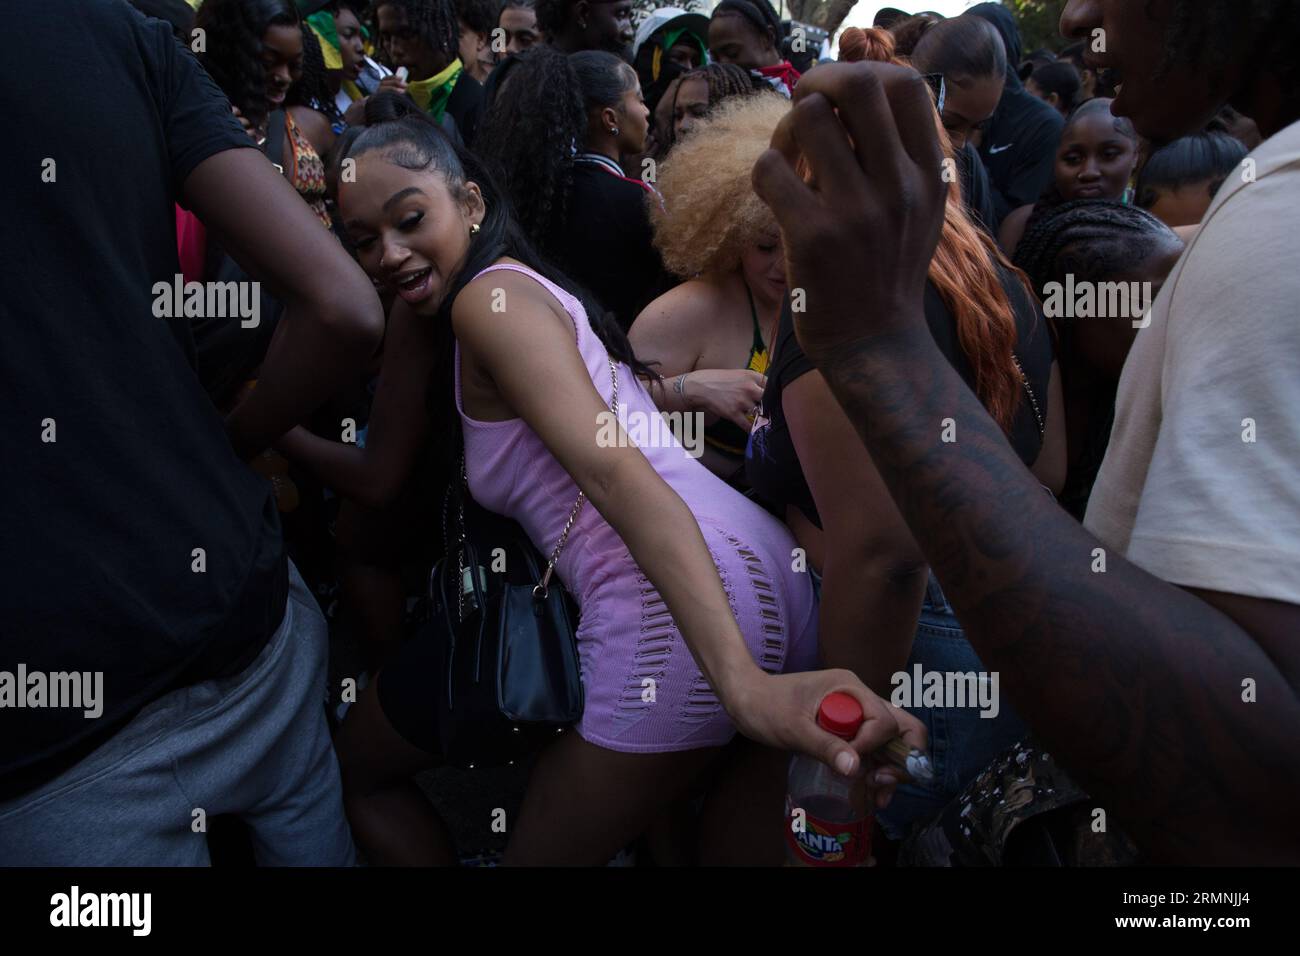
[276, 97]
[414, 286]
[1090, 191]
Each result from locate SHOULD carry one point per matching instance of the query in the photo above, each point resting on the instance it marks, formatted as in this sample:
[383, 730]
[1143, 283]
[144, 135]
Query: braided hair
[724, 80]
[233, 54]
[312, 88]
[1091, 239]
[434, 21]
[409, 138]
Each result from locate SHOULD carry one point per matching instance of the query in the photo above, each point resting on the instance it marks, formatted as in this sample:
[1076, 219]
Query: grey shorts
[255, 746]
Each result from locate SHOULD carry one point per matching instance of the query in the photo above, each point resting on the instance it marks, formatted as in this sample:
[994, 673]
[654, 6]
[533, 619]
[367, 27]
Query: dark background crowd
[996, 369]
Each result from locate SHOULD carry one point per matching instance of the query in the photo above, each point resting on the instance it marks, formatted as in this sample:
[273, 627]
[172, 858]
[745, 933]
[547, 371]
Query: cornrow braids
[727, 79]
[724, 80]
[1092, 239]
[530, 134]
[312, 88]
[434, 21]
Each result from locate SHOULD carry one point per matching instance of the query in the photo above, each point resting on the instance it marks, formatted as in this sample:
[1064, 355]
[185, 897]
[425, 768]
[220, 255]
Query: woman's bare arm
[874, 575]
[532, 342]
[399, 422]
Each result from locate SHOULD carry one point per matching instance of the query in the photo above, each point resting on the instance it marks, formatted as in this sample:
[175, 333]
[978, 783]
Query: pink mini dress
[644, 692]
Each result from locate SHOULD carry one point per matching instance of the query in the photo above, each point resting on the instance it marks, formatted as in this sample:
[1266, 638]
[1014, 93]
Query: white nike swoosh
[1000, 149]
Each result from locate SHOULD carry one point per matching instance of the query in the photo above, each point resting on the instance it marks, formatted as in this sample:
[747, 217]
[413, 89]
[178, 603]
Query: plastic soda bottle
[828, 816]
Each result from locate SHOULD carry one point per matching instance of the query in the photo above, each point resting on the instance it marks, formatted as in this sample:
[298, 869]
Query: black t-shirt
[607, 245]
[771, 462]
[465, 106]
[975, 188]
[102, 522]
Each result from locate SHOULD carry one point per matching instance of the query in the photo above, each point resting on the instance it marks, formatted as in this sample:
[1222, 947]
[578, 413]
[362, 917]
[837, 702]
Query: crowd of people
[994, 359]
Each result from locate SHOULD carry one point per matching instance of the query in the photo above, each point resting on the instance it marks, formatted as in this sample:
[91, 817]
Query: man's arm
[1134, 683]
[332, 320]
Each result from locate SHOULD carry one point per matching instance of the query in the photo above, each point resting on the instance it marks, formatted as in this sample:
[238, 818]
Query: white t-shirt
[1201, 482]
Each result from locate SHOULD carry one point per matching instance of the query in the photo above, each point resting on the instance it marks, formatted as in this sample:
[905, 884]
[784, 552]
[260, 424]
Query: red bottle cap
[840, 714]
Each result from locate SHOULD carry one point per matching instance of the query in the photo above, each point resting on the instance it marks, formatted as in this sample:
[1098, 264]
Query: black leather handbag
[509, 674]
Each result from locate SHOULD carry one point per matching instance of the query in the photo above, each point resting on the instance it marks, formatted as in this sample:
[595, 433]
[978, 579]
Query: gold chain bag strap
[509, 673]
[543, 585]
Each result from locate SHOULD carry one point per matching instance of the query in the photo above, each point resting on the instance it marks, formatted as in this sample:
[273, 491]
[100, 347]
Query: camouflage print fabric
[1022, 809]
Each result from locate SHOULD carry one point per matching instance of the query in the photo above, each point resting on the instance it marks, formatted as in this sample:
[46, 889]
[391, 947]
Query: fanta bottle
[828, 816]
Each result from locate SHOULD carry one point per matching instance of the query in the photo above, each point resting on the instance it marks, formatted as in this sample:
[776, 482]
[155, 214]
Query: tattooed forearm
[1134, 683]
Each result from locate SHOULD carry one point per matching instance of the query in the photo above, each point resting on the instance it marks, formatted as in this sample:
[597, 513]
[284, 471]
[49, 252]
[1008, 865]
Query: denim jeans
[962, 742]
[254, 745]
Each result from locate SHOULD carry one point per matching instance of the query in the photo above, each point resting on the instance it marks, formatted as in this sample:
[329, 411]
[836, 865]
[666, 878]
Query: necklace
[1038, 415]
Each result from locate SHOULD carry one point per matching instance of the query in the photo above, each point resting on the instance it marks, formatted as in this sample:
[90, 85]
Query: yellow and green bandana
[431, 95]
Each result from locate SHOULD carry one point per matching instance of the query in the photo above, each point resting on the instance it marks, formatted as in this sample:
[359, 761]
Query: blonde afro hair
[710, 212]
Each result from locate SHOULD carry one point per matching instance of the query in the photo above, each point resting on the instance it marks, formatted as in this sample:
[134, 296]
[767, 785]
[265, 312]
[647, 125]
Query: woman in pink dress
[685, 587]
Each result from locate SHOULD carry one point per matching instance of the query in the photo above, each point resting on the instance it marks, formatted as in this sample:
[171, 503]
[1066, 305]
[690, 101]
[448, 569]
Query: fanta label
[817, 842]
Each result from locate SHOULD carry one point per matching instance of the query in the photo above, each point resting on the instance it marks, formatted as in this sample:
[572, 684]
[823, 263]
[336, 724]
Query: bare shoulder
[681, 309]
[497, 302]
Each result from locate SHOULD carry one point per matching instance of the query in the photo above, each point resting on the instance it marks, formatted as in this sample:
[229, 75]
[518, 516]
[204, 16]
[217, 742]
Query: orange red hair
[964, 268]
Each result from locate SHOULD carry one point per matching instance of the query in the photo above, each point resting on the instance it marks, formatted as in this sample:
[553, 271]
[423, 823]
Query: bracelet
[680, 384]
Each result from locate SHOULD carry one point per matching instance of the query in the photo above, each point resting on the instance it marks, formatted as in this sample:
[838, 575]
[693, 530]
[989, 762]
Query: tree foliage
[1040, 23]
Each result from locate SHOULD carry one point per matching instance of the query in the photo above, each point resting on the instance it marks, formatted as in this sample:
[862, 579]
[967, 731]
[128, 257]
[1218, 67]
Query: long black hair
[233, 48]
[536, 124]
[409, 138]
[312, 88]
